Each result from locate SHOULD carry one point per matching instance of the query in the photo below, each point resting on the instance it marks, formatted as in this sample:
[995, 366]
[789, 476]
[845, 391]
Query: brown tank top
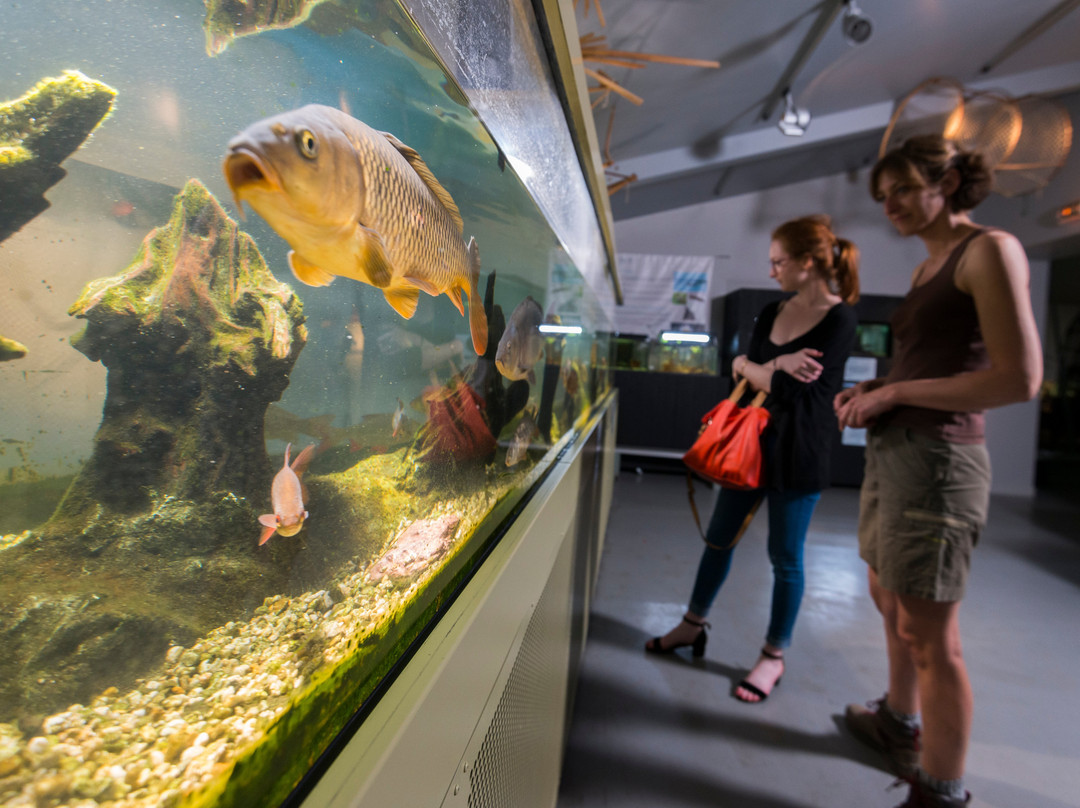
[936, 334]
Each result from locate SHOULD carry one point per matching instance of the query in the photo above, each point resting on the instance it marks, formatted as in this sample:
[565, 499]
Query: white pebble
[190, 752]
[38, 746]
[333, 628]
[157, 757]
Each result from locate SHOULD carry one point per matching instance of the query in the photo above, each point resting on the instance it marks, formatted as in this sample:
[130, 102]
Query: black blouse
[802, 428]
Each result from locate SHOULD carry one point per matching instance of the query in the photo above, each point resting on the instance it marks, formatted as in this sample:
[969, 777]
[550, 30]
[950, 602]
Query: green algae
[11, 349]
[38, 132]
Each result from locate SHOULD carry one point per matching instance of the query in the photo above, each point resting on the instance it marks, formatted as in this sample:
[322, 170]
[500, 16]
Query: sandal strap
[765, 652]
[757, 691]
[698, 623]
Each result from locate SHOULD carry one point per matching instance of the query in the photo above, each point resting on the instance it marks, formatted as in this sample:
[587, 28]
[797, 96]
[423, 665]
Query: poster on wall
[664, 293]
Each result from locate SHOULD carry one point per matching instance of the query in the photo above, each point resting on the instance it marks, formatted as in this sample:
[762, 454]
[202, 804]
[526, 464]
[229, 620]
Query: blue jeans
[789, 519]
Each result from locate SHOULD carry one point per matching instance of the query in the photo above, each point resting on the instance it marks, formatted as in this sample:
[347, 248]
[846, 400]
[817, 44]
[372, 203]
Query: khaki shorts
[922, 505]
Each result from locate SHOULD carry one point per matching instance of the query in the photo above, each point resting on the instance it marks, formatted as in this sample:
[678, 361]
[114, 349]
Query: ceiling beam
[759, 144]
[1036, 29]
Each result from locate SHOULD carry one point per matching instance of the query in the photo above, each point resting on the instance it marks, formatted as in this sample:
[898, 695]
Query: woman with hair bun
[965, 341]
[796, 354]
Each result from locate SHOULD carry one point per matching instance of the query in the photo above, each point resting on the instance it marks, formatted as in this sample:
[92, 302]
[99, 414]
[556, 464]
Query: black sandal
[654, 646]
[757, 691]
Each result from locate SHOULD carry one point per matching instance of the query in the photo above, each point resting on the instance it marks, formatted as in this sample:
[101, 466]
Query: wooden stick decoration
[597, 54]
[594, 50]
[615, 187]
[614, 86]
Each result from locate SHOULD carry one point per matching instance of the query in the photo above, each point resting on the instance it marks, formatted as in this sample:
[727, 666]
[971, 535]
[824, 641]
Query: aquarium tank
[671, 358]
[299, 305]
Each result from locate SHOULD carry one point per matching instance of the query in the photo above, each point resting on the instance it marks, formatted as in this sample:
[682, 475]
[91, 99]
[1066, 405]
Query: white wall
[736, 229]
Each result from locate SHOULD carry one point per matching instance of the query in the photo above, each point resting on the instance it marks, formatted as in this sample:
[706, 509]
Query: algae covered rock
[38, 132]
[229, 19]
[155, 540]
[10, 349]
[199, 338]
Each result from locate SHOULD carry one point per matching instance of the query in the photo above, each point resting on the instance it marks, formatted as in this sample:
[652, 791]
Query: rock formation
[155, 540]
[199, 338]
[37, 133]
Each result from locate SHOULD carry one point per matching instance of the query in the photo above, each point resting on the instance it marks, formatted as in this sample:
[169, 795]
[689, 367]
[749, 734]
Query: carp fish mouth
[245, 170]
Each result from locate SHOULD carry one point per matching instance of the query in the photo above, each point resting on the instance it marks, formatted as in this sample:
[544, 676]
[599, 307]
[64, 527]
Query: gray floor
[665, 731]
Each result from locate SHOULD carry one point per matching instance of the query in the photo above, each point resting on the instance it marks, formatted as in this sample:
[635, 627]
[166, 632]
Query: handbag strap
[740, 389]
[697, 519]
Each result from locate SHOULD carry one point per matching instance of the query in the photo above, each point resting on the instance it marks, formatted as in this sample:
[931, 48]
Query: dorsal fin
[420, 167]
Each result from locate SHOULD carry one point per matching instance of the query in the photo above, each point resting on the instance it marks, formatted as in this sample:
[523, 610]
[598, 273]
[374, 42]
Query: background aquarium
[681, 357]
[163, 645]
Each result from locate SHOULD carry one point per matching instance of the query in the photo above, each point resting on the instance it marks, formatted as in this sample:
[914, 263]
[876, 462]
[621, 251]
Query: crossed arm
[801, 365]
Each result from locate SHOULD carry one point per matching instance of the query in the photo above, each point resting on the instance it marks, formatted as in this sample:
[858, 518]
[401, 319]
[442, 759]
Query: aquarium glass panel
[494, 49]
[285, 339]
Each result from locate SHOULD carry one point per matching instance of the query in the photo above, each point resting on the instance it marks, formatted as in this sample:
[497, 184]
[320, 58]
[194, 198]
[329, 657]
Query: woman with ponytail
[796, 354]
[965, 341]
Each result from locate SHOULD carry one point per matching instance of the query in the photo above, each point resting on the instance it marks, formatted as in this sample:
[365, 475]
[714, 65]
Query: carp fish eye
[307, 143]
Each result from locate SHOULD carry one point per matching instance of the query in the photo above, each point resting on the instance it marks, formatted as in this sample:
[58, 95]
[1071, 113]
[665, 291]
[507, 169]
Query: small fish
[399, 413]
[519, 443]
[570, 378]
[356, 333]
[287, 496]
[522, 343]
[358, 203]
[354, 358]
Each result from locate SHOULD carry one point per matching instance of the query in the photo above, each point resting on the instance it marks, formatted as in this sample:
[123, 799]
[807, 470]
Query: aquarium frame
[558, 29]
[571, 444]
[557, 26]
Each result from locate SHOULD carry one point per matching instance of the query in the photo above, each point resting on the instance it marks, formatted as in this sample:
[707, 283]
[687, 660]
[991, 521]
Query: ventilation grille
[510, 769]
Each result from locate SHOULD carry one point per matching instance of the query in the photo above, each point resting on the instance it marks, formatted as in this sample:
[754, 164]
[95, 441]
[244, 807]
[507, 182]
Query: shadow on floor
[628, 703]
[671, 785]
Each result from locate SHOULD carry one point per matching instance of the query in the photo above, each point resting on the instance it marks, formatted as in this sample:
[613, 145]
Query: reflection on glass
[236, 484]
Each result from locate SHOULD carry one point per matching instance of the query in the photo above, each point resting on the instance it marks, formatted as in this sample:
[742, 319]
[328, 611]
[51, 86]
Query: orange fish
[357, 203]
[399, 413]
[287, 495]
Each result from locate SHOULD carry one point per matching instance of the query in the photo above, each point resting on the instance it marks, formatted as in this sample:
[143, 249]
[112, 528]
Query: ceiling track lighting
[855, 25]
[794, 121]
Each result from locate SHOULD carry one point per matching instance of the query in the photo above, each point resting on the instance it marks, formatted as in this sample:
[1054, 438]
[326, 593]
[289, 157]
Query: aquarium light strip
[548, 328]
[681, 336]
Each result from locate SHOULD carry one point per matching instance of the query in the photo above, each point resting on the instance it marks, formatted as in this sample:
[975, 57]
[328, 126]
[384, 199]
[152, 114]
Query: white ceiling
[700, 134]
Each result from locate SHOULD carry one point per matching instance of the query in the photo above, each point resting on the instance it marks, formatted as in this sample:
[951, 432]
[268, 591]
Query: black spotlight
[856, 26]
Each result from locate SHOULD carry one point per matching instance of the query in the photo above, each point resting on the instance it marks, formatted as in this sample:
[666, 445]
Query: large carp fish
[358, 203]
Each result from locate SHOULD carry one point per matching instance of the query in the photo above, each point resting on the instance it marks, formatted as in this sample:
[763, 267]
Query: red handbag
[728, 448]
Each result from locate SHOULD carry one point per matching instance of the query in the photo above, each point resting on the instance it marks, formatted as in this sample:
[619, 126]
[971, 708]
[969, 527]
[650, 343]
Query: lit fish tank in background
[677, 352]
[286, 337]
